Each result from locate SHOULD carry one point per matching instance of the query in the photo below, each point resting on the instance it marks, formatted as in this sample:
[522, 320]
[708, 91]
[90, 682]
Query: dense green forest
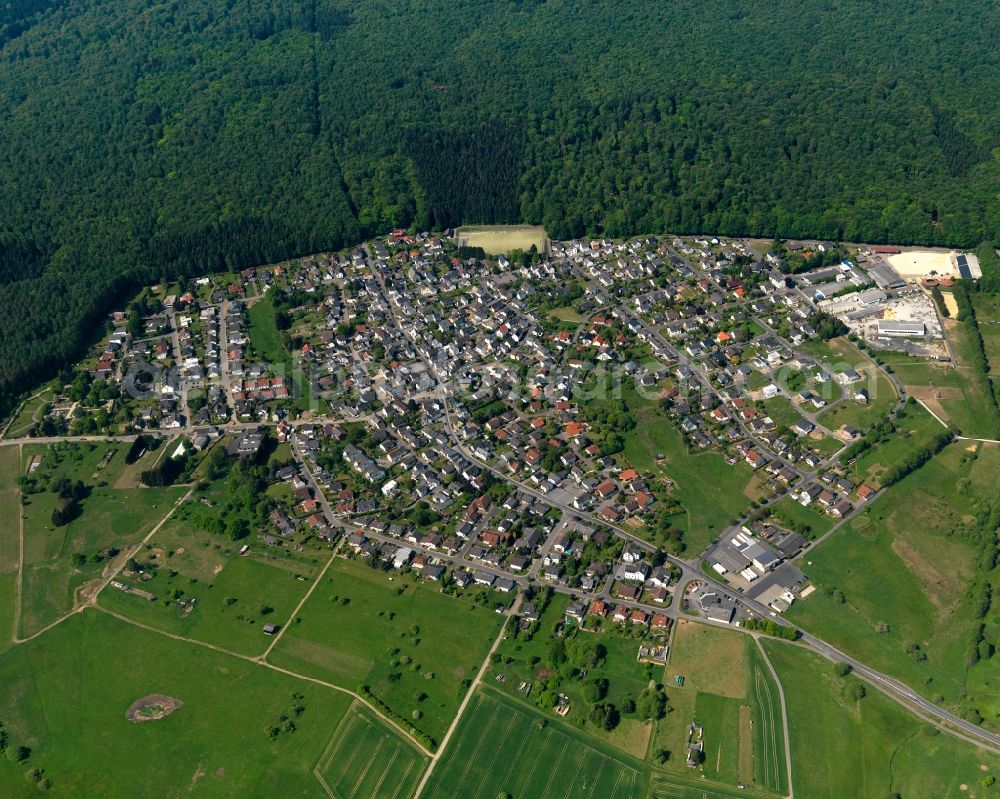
[141, 139]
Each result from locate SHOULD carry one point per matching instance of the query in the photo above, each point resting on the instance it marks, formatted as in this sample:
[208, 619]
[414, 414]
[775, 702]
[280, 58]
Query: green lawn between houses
[402, 638]
[898, 575]
[266, 340]
[710, 490]
[838, 354]
[65, 696]
[845, 749]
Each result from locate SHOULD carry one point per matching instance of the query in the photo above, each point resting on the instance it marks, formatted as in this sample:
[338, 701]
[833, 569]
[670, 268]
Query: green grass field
[65, 696]
[367, 758]
[710, 490]
[28, 415]
[724, 679]
[402, 639]
[809, 520]
[915, 430]
[769, 768]
[844, 749]
[230, 610]
[976, 403]
[896, 577]
[110, 517]
[502, 746]
[781, 411]
[266, 340]
[10, 509]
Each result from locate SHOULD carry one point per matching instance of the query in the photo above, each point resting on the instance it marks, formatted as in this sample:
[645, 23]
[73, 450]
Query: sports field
[502, 747]
[502, 239]
[366, 758]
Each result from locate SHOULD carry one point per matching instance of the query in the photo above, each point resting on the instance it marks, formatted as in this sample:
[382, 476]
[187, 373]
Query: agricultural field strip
[768, 734]
[333, 748]
[786, 738]
[500, 748]
[517, 716]
[265, 664]
[465, 703]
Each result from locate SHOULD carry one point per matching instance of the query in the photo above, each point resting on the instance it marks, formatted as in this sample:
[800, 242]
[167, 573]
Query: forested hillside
[144, 138]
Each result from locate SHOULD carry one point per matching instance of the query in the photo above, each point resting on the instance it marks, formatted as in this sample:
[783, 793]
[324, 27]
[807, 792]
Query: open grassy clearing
[229, 611]
[66, 693]
[410, 644]
[502, 746]
[59, 561]
[566, 314]
[28, 415]
[728, 691]
[10, 509]
[940, 385]
[781, 411]
[367, 758]
[988, 316]
[266, 339]
[844, 749]
[710, 490]
[976, 400]
[896, 578]
[698, 649]
[915, 430]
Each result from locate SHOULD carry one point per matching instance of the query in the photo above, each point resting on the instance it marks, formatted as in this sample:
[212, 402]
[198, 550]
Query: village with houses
[636, 433]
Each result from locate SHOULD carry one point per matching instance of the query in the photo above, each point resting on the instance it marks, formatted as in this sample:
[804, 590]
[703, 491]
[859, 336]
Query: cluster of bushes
[772, 628]
[879, 433]
[167, 472]
[828, 327]
[425, 740]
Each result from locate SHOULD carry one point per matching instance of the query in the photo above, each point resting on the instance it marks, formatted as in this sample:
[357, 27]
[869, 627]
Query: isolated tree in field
[651, 704]
[595, 690]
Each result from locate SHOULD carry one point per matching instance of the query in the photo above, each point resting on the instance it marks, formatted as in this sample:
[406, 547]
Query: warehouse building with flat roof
[900, 328]
[885, 276]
